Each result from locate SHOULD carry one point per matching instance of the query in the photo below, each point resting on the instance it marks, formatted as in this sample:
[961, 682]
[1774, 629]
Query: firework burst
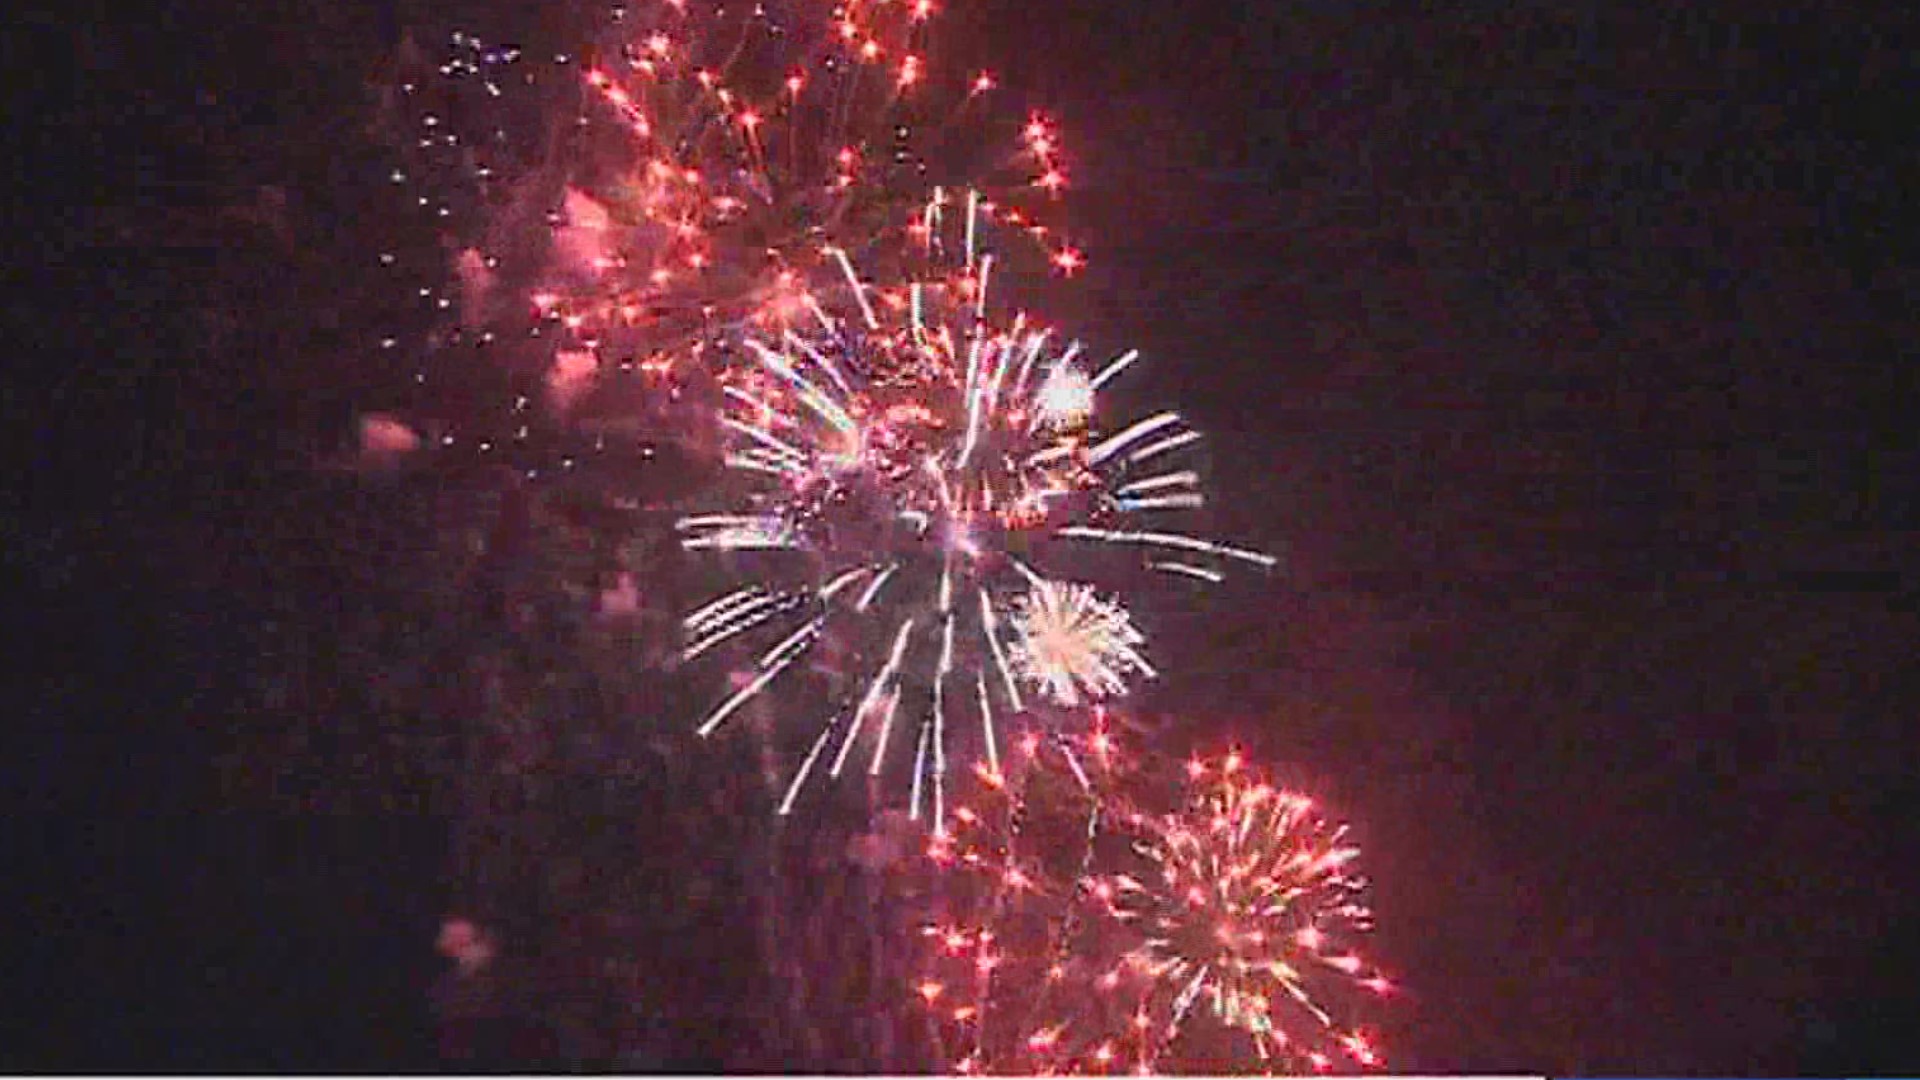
[927, 467]
[757, 140]
[619, 213]
[1009, 895]
[1245, 910]
[1218, 936]
[1070, 642]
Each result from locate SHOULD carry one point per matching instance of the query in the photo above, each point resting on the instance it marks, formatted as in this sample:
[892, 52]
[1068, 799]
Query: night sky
[1560, 350]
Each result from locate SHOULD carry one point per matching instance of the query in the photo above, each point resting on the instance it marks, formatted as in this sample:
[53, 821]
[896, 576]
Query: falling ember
[384, 438]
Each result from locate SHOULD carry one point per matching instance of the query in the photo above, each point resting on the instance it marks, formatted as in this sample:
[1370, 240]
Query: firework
[759, 141]
[1072, 641]
[616, 212]
[1007, 891]
[1243, 909]
[938, 474]
[484, 142]
[1217, 936]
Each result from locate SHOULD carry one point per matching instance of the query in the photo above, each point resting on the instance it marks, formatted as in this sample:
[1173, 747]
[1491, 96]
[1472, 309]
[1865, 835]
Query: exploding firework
[484, 143]
[939, 478]
[1073, 642]
[1243, 909]
[1215, 937]
[760, 141]
[1007, 891]
[617, 212]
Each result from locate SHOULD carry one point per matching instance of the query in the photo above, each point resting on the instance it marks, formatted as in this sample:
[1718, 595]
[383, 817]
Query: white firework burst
[1064, 400]
[913, 450]
[1072, 643]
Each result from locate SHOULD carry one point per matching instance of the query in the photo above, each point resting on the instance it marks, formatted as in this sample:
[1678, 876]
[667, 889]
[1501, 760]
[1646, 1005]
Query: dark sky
[1560, 349]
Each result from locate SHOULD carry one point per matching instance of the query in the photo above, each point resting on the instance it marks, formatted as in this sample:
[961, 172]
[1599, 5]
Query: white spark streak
[991, 628]
[1035, 342]
[1187, 501]
[888, 673]
[1155, 483]
[859, 290]
[721, 605]
[873, 590]
[886, 730]
[820, 360]
[1132, 433]
[1172, 442]
[787, 651]
[1170, 540]
[1189, 570]
[810, 395]
[761, 459]
[1117, 365]
[986, 721]
[973, 220]
[765, 438]
[806, 766]
[919, 771]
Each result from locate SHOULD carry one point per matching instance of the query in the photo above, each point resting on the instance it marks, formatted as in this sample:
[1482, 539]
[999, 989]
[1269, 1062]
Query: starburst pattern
[1073, 644]
[1218, 935]
[900, 453]
[617, 211]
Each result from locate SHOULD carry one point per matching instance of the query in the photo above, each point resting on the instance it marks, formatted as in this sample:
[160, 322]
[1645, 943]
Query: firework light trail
[616, 211]
[1217, 937]
[939, 472]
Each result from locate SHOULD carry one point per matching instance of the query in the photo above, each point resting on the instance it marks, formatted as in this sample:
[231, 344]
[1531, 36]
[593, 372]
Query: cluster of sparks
[938, 473]
[745, 216]
[1216, 937]
[719, 161]
[1070, 637]
[688, 258]
[759, 148]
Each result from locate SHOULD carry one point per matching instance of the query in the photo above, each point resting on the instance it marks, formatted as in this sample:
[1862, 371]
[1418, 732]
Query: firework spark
[1070, 639]
[911, 448]
[1219, 936]
[757, 144]
[1247, 908]
[620, 212]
